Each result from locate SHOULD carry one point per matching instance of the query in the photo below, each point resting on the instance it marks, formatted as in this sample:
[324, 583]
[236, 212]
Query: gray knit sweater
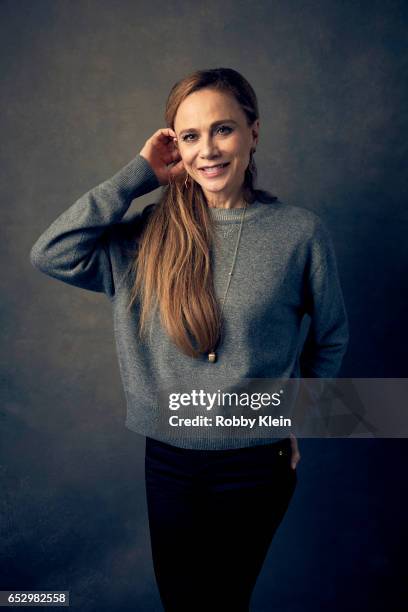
[285, 268]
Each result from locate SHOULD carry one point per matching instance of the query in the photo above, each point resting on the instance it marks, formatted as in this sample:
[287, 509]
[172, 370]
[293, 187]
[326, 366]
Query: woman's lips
[211, 172]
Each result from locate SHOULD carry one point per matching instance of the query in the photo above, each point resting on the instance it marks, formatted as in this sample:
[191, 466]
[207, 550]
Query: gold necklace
[212, 356]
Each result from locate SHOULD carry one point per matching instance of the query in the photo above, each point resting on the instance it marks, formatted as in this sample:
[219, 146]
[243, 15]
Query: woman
[208, 287]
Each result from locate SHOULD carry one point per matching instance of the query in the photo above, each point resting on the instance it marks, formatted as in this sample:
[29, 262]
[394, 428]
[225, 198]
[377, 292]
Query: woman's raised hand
[162, 154]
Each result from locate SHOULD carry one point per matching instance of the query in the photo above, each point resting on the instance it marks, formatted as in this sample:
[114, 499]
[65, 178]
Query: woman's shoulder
[291, 218]
[299, 213]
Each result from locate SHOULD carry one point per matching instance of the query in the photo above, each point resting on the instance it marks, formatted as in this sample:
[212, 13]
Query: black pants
[212, 517]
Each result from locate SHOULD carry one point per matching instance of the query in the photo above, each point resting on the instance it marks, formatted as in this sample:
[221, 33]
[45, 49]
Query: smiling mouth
[213, 170]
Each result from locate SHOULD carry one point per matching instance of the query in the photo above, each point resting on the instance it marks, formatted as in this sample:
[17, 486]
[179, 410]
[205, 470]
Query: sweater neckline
[231, 215]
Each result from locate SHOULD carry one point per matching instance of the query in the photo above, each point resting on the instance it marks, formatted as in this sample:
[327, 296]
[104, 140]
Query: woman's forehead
[205, 106]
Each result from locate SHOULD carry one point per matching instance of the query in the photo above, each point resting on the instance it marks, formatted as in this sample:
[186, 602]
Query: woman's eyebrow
[212, 125]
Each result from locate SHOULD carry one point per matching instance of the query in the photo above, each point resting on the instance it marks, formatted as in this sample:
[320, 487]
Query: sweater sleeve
[328, 334]
[74, 248]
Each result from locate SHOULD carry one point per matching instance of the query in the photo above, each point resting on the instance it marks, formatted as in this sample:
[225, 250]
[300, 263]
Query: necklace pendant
[212, 357]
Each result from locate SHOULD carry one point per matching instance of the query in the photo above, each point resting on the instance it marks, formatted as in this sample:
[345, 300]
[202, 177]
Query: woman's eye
[187, 138]
[225, 127]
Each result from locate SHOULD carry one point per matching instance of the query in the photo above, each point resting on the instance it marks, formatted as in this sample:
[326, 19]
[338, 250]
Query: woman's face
[212, 129]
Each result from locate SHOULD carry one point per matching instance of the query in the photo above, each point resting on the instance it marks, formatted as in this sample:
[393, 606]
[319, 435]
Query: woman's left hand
[295, 452]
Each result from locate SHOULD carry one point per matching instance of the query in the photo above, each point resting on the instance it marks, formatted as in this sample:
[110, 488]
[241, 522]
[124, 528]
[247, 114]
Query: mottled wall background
[83, 86]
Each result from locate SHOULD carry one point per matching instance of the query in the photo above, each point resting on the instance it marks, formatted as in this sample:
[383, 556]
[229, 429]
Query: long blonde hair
[173, 264]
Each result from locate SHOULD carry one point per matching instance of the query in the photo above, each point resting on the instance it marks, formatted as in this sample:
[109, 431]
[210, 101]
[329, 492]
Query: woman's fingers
[177, 169]
[165, 134]
[169, 157]
[160, 151]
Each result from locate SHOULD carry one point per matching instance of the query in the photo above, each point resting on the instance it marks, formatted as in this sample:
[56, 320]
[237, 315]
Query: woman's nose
[208, 147]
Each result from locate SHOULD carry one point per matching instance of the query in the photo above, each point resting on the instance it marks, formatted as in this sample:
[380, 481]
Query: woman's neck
[239, 205]
[236, 201]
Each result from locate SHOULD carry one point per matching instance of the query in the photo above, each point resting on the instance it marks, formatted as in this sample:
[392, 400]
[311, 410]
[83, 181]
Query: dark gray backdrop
[83, 86]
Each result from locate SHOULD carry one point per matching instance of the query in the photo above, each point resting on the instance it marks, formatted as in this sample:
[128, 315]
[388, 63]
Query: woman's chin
[214, 186]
